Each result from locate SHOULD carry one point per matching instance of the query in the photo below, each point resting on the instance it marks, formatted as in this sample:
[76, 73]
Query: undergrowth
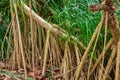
[30, 46]
[74, 17]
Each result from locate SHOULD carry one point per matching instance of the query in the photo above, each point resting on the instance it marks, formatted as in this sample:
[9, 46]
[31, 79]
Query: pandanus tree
[37, 45]
[109, 18]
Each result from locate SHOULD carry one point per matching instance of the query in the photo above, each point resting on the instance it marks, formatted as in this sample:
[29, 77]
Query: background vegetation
[71, 16]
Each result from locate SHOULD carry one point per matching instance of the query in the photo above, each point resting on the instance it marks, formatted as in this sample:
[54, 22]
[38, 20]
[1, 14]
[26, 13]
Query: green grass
[75, 17]
[5, 17]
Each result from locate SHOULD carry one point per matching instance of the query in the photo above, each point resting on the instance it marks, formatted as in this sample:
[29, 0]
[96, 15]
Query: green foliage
[75, 17]
[5, 20]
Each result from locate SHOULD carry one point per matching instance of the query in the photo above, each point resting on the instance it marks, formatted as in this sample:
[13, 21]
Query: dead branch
[105, 5]
[47, 25]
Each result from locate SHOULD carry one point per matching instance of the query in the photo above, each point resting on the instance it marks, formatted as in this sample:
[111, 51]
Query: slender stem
[46, 52]
[78, 70]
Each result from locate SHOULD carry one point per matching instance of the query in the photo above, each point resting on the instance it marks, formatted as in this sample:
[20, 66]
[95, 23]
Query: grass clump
[75, 18]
